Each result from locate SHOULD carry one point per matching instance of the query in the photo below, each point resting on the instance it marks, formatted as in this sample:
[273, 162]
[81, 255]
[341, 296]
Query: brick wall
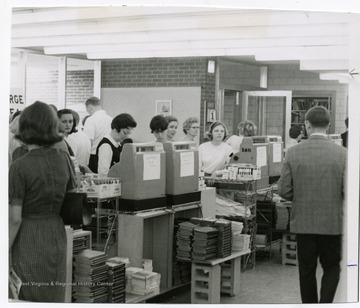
[161, 72]
[79, 87]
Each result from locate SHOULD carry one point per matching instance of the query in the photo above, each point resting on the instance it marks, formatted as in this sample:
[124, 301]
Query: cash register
[182, 172]
[142, 172]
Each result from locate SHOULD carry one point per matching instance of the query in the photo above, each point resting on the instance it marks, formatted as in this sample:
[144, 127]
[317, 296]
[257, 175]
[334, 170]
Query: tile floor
[269, 282]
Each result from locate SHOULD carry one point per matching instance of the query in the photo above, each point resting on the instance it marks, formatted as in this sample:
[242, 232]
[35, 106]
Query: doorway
[269, 110]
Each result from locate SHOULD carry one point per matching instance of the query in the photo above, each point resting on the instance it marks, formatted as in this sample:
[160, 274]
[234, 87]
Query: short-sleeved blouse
[38, 182]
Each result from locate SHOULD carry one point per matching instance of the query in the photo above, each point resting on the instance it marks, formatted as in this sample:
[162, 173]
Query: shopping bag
[76, 210]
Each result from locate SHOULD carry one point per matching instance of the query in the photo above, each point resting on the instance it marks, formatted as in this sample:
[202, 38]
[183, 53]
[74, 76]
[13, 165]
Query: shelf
[147, 214]
[135, 298]
[300, 105]
[187, 206]
[221, 260]
[225, 181]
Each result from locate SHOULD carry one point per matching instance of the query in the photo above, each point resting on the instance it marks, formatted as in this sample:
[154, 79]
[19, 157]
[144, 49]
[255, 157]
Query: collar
[318, 134]
[112, 140]
[99, 111]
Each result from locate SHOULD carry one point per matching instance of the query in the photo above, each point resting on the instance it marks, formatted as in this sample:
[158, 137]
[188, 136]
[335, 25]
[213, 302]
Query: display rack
[104, 224]
[266, 219]
[74, 235]
[149, 235]
[246, 195]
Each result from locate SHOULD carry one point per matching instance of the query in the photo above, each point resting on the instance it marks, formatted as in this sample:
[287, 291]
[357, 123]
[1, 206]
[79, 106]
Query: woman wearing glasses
[109, 148]
[191, 129]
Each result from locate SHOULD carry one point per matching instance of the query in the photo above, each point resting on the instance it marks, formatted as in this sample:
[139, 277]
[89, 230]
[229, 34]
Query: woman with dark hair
[158, 126]
[295, 134]
[67, 118]
[79, 142]
[38, 182]
[172, 128]
[214, 154]
[109, 148]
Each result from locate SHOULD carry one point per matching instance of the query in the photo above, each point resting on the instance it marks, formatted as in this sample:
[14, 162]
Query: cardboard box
[101, 188]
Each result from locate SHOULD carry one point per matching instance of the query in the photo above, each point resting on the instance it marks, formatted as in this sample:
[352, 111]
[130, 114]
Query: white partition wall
[141, 104]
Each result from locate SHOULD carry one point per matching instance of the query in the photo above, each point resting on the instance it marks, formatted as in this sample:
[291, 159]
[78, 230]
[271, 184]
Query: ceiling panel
[143, 32]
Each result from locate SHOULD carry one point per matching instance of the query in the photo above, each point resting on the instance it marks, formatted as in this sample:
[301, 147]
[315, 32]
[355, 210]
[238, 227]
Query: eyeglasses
[127, 131]
[158, 131]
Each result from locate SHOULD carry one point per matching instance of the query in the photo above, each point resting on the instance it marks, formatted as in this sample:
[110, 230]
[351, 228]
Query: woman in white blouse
[214, 154]
[246, 129]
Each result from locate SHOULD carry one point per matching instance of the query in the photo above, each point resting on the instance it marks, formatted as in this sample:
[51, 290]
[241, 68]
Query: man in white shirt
[97, 125]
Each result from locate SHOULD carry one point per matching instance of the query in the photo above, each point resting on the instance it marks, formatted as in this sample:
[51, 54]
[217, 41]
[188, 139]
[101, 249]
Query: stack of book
[236, 227]
[181, 269]
[205, 243]
[184, 238]
[181, 272]
[91, 277]
[224, 238]
[116, 278]
[79, 244]
[129, 272]
[145, 282]
[119, 260]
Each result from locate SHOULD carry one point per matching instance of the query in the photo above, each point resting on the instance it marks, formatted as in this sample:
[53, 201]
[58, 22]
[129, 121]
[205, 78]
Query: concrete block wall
[161, 72]
[243, 76]
[275, 120]
[289, 77]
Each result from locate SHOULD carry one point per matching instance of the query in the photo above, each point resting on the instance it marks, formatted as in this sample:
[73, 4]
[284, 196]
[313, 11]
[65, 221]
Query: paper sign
[151, 167]
[16, 100]
[211, 115]
[261, 156]
[187, 164]
[277, 153]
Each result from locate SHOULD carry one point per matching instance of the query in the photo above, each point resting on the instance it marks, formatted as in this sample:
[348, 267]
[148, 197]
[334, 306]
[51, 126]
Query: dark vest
[115, 150]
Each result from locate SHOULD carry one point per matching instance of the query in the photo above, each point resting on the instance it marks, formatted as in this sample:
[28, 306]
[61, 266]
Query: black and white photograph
[164, 153]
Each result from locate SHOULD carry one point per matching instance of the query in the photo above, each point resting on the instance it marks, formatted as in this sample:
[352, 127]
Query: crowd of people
[44, 142]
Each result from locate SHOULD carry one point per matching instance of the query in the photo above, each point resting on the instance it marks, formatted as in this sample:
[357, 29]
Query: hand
[85, 169]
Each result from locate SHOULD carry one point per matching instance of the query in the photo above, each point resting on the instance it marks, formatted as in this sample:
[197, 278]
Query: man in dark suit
[344, 136]
[313, 178]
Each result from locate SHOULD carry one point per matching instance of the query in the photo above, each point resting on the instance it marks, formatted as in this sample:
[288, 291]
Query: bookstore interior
[159, 225]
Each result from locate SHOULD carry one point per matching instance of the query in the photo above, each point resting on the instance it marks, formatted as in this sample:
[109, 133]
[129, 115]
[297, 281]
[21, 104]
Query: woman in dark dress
[38, 182]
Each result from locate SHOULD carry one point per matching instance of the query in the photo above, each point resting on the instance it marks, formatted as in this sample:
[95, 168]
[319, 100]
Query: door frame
[286, 94]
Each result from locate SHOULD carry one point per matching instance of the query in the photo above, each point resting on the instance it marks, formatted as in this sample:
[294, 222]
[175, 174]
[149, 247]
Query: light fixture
[211, 67]
[263, 76]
